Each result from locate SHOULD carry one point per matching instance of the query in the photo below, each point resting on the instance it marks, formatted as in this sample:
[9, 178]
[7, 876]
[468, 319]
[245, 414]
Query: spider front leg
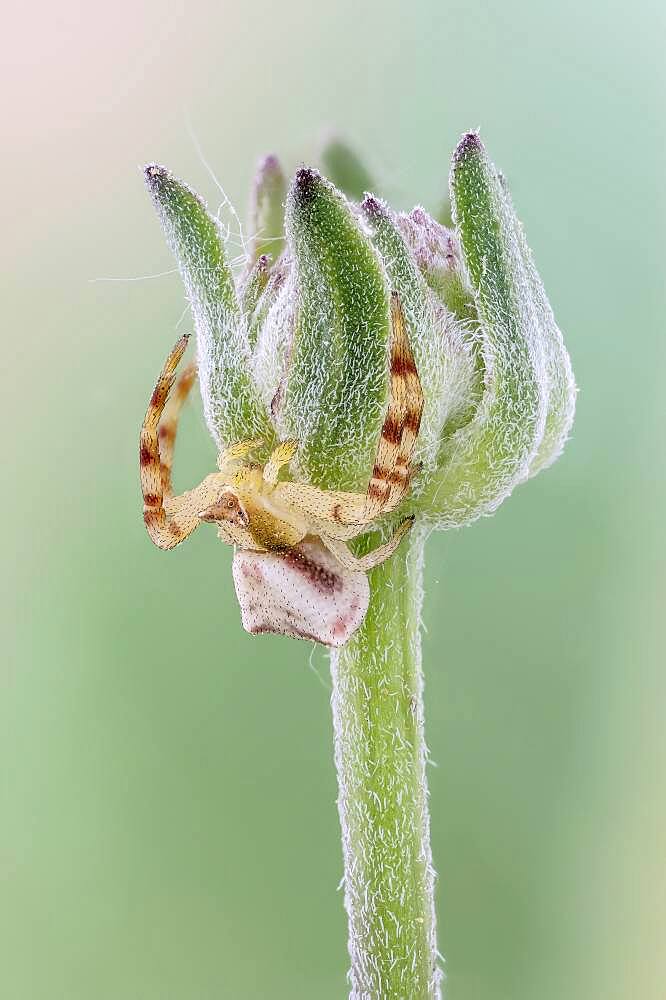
[168, 425]
[169, 520]
[393, 470]
[365, 563]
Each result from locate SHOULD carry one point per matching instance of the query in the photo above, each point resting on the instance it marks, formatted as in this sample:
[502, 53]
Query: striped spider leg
[171, 519]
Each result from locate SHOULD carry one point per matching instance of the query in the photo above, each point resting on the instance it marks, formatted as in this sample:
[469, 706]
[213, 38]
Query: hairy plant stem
[380, 755]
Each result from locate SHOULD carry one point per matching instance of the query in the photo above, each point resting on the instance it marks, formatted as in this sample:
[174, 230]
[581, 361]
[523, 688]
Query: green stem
[380, 755]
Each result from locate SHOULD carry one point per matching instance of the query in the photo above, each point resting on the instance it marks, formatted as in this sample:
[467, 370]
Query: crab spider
[251, 507]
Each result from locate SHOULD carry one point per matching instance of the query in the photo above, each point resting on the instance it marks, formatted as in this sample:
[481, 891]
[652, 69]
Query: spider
[256, 511]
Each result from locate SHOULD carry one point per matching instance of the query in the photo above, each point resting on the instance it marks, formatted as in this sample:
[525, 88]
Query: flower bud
[298, 346]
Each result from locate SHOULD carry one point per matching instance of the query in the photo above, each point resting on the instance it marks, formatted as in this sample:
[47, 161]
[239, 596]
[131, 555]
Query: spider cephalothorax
[259, 513]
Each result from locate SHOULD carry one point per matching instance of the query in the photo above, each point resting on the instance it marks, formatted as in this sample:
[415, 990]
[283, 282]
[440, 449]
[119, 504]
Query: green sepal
[231, 402]
[561, 385]
[481, 463]
[337, 381]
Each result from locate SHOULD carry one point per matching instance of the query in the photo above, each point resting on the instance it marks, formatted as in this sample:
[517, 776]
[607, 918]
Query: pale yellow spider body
[253, 509]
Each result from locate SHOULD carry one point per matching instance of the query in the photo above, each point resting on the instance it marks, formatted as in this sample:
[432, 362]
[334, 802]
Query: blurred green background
[168, 826]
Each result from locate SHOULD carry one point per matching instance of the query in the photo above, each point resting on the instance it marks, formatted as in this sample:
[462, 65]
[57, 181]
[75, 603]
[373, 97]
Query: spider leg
[338, 513]
[391, 474]
[168, 425]
[280, 456]
[347, 559]
[168, 522]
